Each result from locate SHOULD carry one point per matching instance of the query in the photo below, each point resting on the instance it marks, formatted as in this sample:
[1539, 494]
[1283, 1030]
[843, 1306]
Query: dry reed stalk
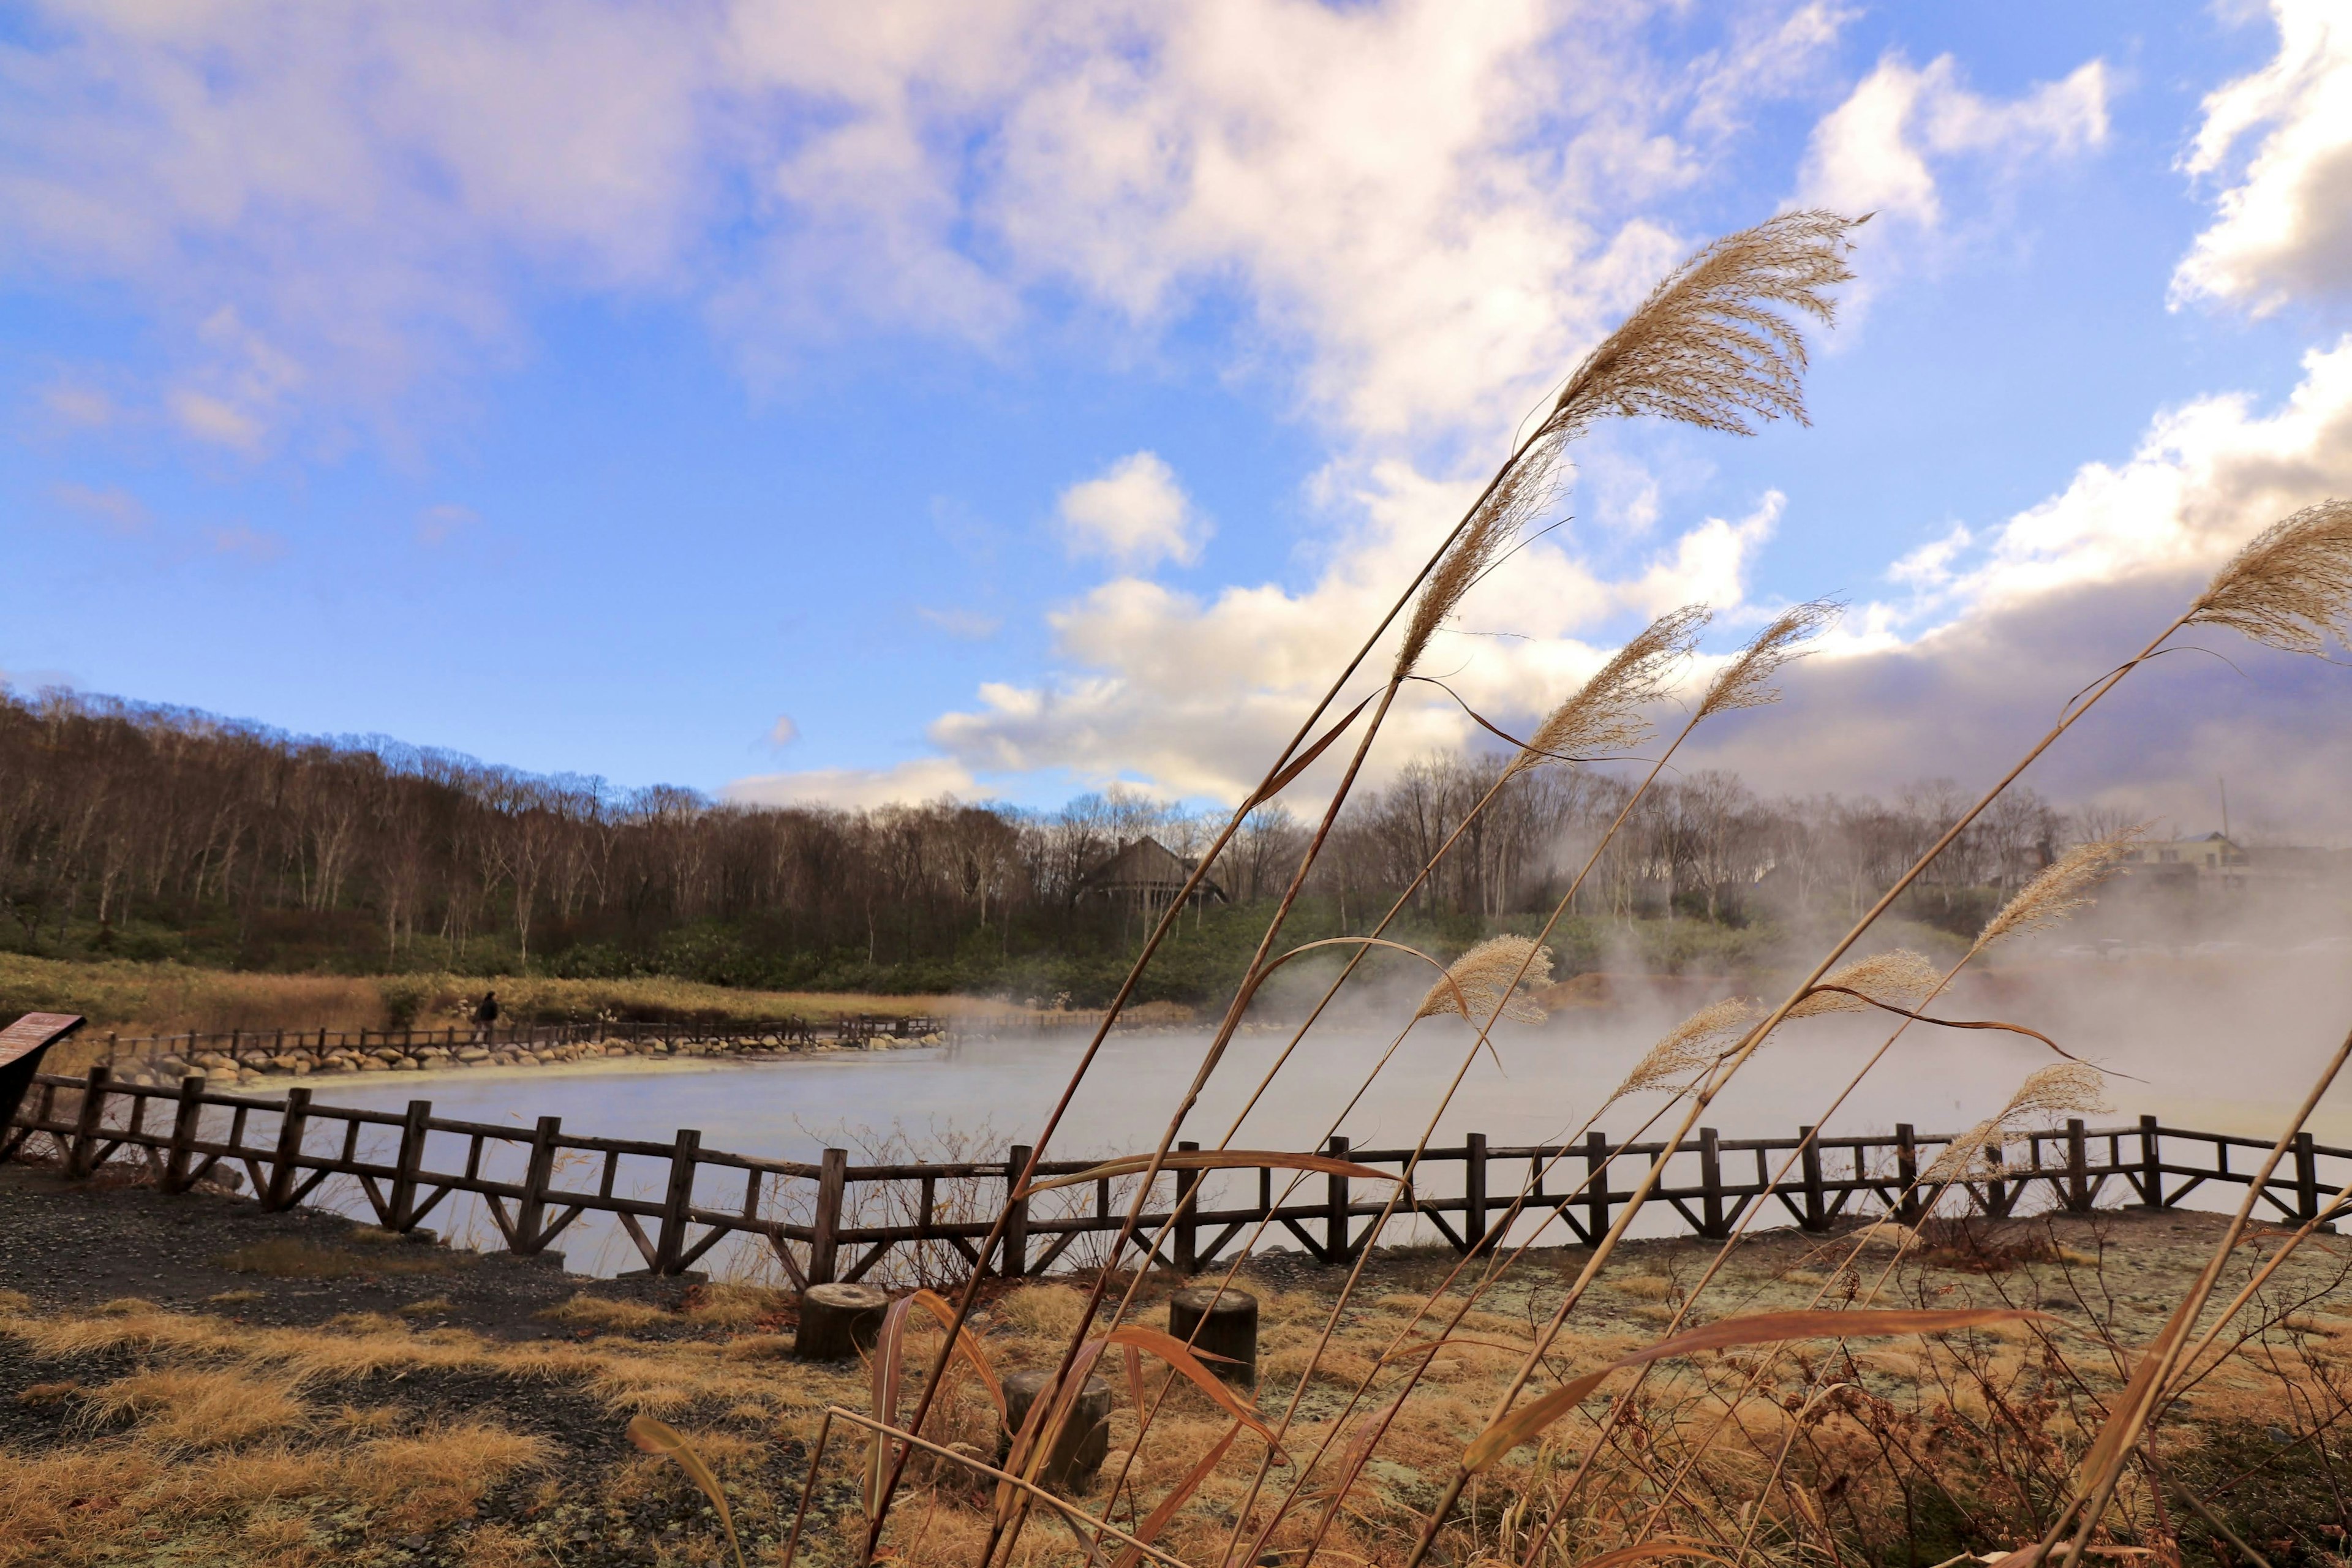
[2058, 891]
[1527, 489]
[1772, 649]
[1634, 674]
[2295, 576]
[2103, 1465]
[1708, 347]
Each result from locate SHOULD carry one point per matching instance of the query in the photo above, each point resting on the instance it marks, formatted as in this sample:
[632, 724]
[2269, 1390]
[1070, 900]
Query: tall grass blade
[660, 1439]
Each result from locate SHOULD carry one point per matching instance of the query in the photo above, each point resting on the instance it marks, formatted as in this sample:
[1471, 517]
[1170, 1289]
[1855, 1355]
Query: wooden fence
[771, 1034]
[536, 1182]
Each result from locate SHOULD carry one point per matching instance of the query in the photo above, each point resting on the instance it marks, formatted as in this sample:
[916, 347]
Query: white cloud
[1134, 514]
[1880, 150]
[2285, 230]
[783, 732]
[925, 778]
[1418, 211]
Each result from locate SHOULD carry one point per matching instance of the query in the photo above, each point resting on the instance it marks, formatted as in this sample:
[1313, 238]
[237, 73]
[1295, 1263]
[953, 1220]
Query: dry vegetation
[1895, 1394]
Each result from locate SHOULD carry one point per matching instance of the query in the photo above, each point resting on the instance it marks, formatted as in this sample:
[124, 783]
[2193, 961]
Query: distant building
[2217, 863]
[1149, 873]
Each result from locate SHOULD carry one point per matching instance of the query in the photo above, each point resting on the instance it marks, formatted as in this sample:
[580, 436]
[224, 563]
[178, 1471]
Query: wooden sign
[34, 1030]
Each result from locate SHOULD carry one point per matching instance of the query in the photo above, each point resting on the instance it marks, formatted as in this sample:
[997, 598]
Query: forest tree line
[149, 832]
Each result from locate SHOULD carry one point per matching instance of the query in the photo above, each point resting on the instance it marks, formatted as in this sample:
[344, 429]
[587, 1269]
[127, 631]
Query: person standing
[486, 1017]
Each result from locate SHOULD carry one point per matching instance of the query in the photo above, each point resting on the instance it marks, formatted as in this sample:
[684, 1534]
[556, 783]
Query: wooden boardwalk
[833, 1220]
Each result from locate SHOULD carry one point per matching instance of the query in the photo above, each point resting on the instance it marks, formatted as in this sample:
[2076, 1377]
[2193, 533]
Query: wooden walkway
[834, 1220]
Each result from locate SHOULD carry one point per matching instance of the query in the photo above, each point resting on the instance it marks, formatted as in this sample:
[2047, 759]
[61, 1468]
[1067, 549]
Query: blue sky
[1012, 398]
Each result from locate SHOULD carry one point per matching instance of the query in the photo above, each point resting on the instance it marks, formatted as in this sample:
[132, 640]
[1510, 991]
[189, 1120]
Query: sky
[997, 399]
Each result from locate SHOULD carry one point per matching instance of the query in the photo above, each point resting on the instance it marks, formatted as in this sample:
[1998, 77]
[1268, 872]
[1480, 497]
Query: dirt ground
[185, 1380]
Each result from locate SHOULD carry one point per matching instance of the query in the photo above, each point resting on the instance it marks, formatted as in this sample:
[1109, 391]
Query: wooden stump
[1086, 1436]
[1227, 1324]
[839, 1320]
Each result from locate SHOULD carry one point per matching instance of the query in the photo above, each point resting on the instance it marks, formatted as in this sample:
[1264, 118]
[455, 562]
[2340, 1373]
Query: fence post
[411, 1159]
[1817, 1209]
[282, 1173]
[184, 1127]
[670, 1245]
[1473, 1194]
[1016, 1215]
[1907, 1173]
[2307, 1178]
[1596, 1186]
[1188, 1228]
[2151, 1164]
[1710, 1183]
[82, 1159]
[1335, 1207]
[825, 1226]
[532, 1212]
[2078, 1168]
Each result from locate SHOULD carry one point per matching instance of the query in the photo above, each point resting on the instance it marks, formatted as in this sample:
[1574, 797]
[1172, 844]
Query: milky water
[2224, 1048]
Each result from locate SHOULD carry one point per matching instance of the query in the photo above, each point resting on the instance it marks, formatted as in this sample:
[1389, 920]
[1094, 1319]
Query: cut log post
[1219, 1324]
[184, 1128]
[2151, 1164]
[837, 1321]
[1085, 1439]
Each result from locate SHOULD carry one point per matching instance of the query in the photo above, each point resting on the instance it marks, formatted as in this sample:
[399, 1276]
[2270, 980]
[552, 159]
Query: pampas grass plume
[1746, 680]
[2059, 888]
[1899, 978]
[2062, 1089]
[2291, 586]
[1691, 1046]
[1603, 715]
[1489, 974]
[1710, 346]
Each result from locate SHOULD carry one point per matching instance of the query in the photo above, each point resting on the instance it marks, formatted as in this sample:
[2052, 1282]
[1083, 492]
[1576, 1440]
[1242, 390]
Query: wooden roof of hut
[1148, 870]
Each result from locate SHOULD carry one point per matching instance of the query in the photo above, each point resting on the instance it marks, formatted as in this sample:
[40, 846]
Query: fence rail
[805, 1214]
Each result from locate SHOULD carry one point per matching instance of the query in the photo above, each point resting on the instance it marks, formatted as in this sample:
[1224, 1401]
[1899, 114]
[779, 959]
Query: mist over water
[2222, 1040]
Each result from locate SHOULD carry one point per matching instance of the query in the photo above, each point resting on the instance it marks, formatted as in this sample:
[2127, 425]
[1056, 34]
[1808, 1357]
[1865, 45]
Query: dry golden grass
[199, 1407]
[586, 1311]
[285, 1257]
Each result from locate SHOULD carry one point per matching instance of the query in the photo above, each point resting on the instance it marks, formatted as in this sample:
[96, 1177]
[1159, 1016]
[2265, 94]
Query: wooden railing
[535, 1184]
[781, 1033]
